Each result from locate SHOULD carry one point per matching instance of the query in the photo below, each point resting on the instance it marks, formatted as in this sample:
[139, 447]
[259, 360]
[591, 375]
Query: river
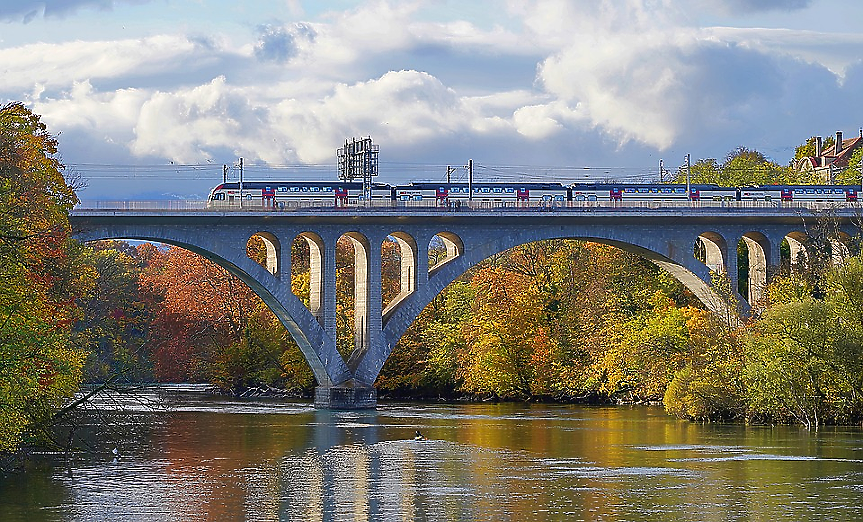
[207, 458]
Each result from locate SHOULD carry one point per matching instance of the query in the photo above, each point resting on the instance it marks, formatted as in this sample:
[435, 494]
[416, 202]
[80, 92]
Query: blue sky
[525, 89]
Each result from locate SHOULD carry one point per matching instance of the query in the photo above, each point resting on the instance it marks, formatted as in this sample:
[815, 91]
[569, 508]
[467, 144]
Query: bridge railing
[402, 206]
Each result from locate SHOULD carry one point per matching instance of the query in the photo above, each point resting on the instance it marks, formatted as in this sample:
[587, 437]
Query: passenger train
[287, 194]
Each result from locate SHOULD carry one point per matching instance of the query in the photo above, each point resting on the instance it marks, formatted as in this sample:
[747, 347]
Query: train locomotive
[294, 194]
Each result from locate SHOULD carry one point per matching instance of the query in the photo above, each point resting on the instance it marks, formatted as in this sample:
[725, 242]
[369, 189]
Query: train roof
[529, 185]
[284, 183]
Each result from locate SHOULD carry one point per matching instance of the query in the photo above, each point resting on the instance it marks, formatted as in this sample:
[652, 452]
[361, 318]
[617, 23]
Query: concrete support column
[328, 287]
[273, 265]
[408, 272]
[758, 256]
[422, 262]
[797, 252]
[838, 252]
[375, 319]
[731, 264]
[773, 253]
[713, 257]
[362, 286]
[317, 275]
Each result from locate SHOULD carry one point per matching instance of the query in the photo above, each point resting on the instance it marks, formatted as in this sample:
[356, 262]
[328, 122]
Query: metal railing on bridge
[433, 206]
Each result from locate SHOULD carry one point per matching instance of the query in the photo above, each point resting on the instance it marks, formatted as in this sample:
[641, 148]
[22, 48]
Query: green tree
[852, 174]
[741, 167]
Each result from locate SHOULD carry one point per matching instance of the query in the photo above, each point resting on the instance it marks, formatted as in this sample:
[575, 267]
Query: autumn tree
[42, 274]
[209, 326]
[115, 318]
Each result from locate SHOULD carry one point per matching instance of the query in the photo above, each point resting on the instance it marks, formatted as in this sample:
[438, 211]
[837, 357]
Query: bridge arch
[327, 366]
[273, 252]
[714, 251]
[454, 249]
[408, 264]
[693, 274]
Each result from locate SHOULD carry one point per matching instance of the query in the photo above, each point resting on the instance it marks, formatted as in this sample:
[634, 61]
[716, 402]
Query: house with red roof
[827, 163]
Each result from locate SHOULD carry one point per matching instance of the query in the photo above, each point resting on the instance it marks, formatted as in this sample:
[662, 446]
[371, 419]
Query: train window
[477, 191]
[295, 189]
[441, 189]
[509, 190]
[558, 197]
[418, 197]
[283, 189]
[819, 191]
[316, 189]
[305, 189]
[486, 190]
[666, 191]
[497, 190]
[643, 190]
[680, 191]
[799, 191]
[629, 190]
[810, 191]
[839, 191]
[404, 197]
[328, 189]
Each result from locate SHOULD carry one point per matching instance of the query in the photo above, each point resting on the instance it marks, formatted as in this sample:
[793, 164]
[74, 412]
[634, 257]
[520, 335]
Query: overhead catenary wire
[391, 172]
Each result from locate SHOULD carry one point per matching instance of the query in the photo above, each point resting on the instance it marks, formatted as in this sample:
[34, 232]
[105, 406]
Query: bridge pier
[348, 396]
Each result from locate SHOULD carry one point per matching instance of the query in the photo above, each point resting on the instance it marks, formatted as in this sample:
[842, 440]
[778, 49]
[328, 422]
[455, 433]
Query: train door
[268, 196]
[341, 196]
[442, 196]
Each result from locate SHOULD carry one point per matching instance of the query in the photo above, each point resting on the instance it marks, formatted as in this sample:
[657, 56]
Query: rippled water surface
[219, 459]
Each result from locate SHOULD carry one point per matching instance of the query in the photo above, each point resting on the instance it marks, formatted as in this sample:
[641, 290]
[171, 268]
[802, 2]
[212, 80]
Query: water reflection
[216, 459]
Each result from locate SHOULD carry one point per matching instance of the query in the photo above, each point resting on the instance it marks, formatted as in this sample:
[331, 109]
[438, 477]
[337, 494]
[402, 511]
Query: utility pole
[688, 186]
[469, 179]
[449, 170]
[661, 171]
[241, 182]
[224, 173]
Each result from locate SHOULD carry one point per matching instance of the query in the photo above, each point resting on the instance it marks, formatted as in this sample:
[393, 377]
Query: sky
[149, 98]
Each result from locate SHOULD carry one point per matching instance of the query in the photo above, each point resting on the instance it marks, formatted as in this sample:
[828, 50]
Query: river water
[217, 459]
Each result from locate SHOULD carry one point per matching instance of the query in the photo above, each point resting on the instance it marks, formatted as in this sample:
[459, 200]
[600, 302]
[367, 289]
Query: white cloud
[27, 10]
[60, 65]
[564, 80]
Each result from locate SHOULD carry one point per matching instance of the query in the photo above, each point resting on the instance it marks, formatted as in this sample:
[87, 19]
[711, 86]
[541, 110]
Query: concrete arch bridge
[689, 243]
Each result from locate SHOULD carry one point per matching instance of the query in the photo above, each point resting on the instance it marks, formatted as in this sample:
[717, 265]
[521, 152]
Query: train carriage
[815, 193]
[493, 194]
[282, 194]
